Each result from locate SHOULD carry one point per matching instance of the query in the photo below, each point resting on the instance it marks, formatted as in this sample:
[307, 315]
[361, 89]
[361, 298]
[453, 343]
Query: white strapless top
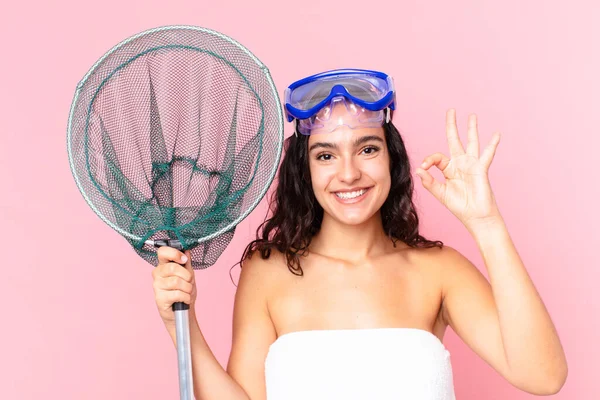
[349, 364]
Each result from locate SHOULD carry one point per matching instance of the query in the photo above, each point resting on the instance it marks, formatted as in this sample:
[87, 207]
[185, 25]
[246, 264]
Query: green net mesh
[176, 133]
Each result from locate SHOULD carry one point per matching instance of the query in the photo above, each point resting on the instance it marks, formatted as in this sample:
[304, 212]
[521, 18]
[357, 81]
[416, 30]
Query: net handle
[182, 329]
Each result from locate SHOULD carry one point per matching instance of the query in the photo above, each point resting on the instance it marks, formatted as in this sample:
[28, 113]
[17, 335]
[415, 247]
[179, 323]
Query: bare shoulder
[446, 265]
[426, 261]
[262, 274]
[450, 263]
[439, 260]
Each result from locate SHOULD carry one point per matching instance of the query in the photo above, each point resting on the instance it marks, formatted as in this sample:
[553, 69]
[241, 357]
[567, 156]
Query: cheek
[379, 171]
[321, 176]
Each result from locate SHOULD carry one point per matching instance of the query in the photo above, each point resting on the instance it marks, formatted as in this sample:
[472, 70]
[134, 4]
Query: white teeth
[350, 195]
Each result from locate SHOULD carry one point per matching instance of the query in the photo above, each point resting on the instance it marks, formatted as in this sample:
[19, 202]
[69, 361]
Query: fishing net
[174, 137]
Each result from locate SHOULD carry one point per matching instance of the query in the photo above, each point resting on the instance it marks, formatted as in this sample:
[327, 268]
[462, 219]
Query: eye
[324, 157]
[370, 150]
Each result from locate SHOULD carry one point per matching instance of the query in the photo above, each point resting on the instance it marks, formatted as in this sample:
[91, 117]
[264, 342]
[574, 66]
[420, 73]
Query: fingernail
[183, 259]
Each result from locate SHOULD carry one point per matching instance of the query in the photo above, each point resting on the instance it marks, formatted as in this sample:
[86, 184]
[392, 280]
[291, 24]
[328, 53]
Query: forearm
[211, 381]
[532, 348]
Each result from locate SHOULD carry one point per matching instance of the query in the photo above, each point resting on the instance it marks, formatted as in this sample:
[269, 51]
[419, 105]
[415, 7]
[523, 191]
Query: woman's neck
[350, 242]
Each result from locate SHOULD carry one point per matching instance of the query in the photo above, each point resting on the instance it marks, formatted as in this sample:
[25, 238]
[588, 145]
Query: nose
[348, 171]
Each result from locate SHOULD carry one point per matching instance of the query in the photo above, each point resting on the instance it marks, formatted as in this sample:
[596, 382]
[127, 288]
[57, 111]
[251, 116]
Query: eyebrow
[357, 142]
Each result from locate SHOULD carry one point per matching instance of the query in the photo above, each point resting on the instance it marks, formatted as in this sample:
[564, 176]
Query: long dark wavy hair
[296, 215]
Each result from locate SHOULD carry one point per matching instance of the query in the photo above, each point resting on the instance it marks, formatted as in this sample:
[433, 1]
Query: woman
[346, 299]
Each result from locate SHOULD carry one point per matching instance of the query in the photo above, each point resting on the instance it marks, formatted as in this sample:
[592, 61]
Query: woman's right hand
[173, 282]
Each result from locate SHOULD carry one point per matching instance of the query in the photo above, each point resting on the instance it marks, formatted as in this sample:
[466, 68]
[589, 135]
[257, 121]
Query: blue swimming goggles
[367, 95]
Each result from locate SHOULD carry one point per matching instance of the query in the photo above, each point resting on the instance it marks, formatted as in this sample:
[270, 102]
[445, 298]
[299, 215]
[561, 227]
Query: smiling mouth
[350, 195]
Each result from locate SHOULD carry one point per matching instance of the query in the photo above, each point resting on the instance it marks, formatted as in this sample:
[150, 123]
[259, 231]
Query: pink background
[78, 319]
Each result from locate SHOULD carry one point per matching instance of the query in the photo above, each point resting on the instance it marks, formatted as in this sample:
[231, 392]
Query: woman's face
[350, 171]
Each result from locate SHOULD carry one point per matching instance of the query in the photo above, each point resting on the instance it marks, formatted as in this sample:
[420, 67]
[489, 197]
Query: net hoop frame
[221, 36]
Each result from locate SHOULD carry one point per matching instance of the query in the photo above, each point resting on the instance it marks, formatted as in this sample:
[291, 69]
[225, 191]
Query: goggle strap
[387, 115]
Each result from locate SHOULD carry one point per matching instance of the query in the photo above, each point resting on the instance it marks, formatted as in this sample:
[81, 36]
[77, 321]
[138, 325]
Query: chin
[357, 218]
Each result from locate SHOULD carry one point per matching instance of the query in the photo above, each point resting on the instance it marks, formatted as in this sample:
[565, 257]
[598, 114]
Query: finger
[174, 269]
[454, 143]
[429, 183]
[490, 150]
[472, 137]
[438, 159]
[188, 264]
[169, 254]
[173, 283]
